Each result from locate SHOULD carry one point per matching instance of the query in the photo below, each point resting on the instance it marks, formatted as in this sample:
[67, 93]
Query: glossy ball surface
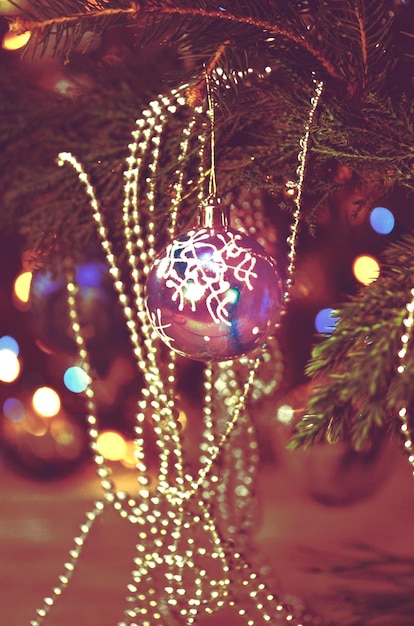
[213, 294]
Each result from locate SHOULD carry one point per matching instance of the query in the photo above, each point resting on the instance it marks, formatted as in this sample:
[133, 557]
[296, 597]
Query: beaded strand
[298, 188]
[70, 565]
[182, 562]
[408, 322]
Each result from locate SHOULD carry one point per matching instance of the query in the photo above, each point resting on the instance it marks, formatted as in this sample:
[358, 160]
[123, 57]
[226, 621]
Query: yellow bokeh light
[7, 8]
[112, 446]
[366, 269]
[22, 286]
[182, 418]
[46, 402]
[9, 366]
[11, 41]
[128, 458]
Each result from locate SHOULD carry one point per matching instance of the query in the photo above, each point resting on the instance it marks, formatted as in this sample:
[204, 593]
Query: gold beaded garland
[189, 557]
[403, 412]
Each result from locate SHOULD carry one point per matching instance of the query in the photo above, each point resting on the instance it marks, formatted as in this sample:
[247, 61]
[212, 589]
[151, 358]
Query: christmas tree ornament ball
[213, 294]
[100, 320]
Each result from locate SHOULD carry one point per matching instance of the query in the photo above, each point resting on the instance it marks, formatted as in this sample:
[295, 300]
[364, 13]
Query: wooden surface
[350, 561]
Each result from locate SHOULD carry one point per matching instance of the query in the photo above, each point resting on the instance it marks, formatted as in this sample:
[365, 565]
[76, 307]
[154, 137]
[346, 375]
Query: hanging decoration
[213, 293]
[194, 517]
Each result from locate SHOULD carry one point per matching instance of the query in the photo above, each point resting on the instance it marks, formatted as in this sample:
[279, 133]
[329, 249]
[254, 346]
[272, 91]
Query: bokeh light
[67, 87]
[112, 445]
[382, 220]
[22, 286]
[76, 379]
[9, 343]
[91, 274]
[182, 419]
[67, 437]
[45, 284]
[46, 402]
[285, 414]
[366, 269]
[11, 41]
[325, 322]
[7, 8]
[129, 459]
[9, 365]
[14, 410]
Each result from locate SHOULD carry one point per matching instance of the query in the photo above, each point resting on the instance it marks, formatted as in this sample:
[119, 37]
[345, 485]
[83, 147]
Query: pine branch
[359, 37]
[357, 389]
[375, 137]
[364, 47]
[349, 43]
[363, 132]
[39, 200]
[273, 26]
[257, 146]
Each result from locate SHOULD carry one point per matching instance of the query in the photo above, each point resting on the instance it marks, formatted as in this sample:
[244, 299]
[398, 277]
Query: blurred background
[334, 527]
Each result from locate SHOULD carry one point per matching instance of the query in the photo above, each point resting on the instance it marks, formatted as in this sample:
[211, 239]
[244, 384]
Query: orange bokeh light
[22, 286]
[11, 41]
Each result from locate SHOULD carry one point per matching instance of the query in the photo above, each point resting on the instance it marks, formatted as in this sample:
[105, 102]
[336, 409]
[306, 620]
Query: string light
[405, 337]
[70, 565]
[298, 187]
[175, 568]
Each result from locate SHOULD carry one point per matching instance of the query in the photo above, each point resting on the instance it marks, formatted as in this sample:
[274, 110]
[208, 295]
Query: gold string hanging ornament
[213, 293]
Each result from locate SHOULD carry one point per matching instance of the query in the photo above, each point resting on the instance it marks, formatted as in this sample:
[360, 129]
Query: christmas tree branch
[42, 26]
[196, 93]
[364, 48]
[375, 139]
[19, 25]
[268, 27]
[357, 388]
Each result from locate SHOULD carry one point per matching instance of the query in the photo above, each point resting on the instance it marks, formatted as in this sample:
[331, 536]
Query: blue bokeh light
[382, 220]
[325, 322]
[76, 379]
[9, 343]
[14, 410]
[43, 284]
[91, 274]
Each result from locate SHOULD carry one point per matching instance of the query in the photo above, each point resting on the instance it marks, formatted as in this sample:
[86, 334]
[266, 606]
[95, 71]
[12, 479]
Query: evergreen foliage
[356, 387]
[365, 121]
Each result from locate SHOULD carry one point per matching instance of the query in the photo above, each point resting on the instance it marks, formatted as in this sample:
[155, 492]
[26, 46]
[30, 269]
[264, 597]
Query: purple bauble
[213, 294]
